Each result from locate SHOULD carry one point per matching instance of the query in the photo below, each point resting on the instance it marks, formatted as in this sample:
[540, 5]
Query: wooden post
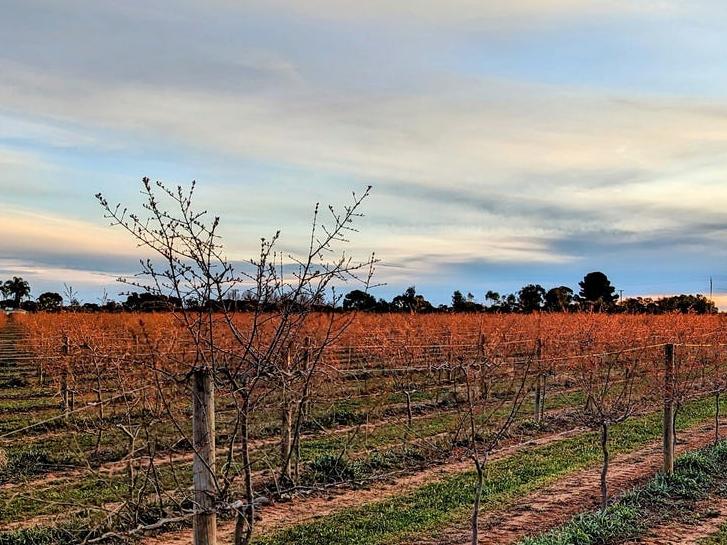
[669, 409]
[539, 382]
[484, 371]
[452, 375]
[203, 432]
[544, 385]
[64, 376]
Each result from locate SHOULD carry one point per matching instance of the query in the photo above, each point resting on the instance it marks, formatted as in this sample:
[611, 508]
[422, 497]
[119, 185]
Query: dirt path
[300, 510]
[706, 520]
[554, 505]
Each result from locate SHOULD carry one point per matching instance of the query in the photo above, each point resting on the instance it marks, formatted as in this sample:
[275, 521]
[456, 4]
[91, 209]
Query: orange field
[98, 423]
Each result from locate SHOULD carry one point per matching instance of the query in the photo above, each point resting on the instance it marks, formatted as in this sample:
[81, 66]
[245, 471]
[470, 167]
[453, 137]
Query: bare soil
[552, 506]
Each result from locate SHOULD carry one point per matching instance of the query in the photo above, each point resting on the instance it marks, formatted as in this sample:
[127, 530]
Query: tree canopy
[16, 289]
[597, 291]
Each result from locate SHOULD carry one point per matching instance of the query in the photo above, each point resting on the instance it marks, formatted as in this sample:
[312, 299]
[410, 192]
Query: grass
[447, 501]
[662, 498]
[425, 509]
[719, 538]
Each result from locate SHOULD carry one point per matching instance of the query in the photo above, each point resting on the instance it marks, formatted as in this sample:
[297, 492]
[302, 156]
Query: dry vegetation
[97, 417]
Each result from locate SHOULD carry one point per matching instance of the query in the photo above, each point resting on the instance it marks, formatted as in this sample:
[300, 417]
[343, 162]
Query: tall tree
[531, 297]
[458, 300]
[410, 301]
[359, 300]
[460, 303]
[18, 289]
[492, 296]
[50, 301]
[596, 292]
[559, 299]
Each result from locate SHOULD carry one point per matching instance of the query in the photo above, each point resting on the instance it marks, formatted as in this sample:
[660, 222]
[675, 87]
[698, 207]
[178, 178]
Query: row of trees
[16, 295]
[596, 293]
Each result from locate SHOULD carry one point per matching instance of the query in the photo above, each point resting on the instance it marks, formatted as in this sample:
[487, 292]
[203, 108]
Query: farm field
[363, 429]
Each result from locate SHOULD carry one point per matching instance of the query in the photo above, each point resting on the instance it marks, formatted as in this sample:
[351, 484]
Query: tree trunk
[408, 408]
[245, 520]
[543, 388]
[286, 437]
[475, 521]
[286, 423]
[203, 432]
[604, 468]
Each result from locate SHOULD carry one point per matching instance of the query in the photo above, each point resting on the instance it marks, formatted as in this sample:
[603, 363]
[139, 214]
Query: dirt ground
[554, 505]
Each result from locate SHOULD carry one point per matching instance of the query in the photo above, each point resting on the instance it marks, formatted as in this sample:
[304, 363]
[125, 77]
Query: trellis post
[669, 409]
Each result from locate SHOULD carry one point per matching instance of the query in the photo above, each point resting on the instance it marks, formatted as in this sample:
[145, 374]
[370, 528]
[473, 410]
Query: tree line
[596, 294]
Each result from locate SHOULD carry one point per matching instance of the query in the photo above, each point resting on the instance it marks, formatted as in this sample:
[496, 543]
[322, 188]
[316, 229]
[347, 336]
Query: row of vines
[183, 424]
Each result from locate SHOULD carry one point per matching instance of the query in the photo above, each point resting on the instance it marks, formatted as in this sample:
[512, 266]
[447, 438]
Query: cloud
[518, 13]
[495, 131]
[491, 138]
[42, 240]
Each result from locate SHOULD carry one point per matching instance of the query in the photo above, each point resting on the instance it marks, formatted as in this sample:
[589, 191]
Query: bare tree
[608, 382]
[489, 422]
[248, 358]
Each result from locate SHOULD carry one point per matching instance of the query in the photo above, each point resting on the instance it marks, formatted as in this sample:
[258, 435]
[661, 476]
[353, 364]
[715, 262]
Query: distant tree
[17, 289]
[458, 301]
[493, 300]
[29, 306]
[71, 296]
[410, 301]
[596, 292]
[696, 304]
[151, 302]
[508, 303]
[111, 306]
[359, 300]
[462, 304]
[382, 305]
[639, 305]
[50, 301]
[422, 305]
[530, 298]
[633, 305]
[492, 296]
[559, 299]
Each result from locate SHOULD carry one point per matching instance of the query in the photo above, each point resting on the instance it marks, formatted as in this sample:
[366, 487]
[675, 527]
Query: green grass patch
[447, 501]
[662, 498]
[720, 538]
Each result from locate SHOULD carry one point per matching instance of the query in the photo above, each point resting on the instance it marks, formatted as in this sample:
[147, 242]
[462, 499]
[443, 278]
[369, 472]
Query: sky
[507, 143]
